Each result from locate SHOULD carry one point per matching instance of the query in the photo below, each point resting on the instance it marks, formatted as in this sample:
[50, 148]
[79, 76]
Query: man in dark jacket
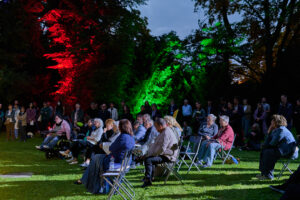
[104, 114]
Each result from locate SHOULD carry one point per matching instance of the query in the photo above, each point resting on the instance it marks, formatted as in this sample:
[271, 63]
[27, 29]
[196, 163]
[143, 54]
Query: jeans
[150, 164]
[51, 141]
[16, 133]
[207, 154]
[268, 159]
[245, 125]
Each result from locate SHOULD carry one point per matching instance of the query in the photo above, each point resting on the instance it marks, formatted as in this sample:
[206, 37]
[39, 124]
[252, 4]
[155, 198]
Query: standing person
[103, 113]
[127, 114]
[260, 118]
[209, 108]
[187, 111]
[148, 108]
[222, 106]
[286, 109]
[16, 127]
[59, 108]
[236, 121]
[92, 112]
[77, 115]
[31, 118]
[199, 115]
[22, 122]
[267, 109]
[121, 109]
[45, 116]
[172, 107]
[297, 118]
[2, 116]
[51, 110]
[155, 112]
[113, 112]
[9, 122]
[246, 119]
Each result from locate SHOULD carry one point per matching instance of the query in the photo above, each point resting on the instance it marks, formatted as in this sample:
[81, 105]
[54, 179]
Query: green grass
[53, 179]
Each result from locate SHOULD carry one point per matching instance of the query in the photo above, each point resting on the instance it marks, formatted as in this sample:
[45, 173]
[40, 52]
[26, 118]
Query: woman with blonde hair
[280, 142]
[174, 125]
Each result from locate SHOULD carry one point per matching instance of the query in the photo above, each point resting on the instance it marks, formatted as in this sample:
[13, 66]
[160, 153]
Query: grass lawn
[53, 179]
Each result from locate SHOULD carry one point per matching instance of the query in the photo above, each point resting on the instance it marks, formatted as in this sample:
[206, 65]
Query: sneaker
[70, 155]
[147, 183]
[278, 188]
[70, 160]
[73, 162]
[206, 166]
[46, 147]
[38, 147]
[84, 165]
[63, 153]
[199, 163]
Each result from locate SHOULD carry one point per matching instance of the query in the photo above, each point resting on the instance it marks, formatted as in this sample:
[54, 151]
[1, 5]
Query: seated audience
[208, 148]
[140, 131]
[100, 163]
[164, 149]
[174, 125]
[279, 143]
[61, 128]
[209, 128]
[255, 136]
[187, 131]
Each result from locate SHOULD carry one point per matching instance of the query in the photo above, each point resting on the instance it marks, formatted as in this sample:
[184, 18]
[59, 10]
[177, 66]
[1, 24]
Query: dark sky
[167, 15]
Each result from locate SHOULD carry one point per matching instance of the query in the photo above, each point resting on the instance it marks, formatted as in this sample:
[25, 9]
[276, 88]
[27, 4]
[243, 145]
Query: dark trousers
[292, 185]
[150, 164]
[31, 128]
[22, 131]
[268, 159]
[77, 147]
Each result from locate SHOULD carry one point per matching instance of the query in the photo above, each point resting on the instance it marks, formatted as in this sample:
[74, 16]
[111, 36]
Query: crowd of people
[108, 132]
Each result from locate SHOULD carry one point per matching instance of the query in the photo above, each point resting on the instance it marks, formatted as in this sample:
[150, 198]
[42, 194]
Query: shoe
[70, 160]
[73, 162]
[278, 188]
[84, 165]
[78, 182]
[263, 177]
[63, 153]
[70, 155]
[206, 166]
[46, 147]
[38, 147]
[258, 175]
[147, 183]
[199, 163]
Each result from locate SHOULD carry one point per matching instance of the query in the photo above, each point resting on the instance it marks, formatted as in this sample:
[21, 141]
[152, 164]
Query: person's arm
[225, 135]
[115, 146]
[140, 134]
[278, 135]
[164, 145]
[67, 129]
[215, 130]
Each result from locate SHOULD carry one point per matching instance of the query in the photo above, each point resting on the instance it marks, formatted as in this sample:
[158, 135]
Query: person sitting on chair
[224, 139]
[280, 142]
[164, 149]
[60, 128]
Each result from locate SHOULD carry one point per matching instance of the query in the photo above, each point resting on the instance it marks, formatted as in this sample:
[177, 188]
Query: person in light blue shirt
[187, 111]
[279, 143]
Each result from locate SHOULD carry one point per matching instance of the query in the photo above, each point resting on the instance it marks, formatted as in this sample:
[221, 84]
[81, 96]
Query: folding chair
[192, 156]
[285, 164]
[182, 155]
[170, 167]
[116, 179]
[224, 154]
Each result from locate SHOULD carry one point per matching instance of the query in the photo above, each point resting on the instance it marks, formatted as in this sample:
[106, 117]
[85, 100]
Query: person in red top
[224, 138]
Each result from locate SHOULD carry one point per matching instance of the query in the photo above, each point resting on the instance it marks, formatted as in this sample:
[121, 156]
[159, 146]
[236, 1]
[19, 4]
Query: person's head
[160, 124]
[90, 123]
[186, 102]
[185, 124]
[98, 122]
[10, 107]
[110, 125]
[123, 103]
[278, 120]
[146, 117]
[143, 108]
[103, 106]
[77, 106]
[58, 118]
[22, 109]
[147, 103]
[172, 102]
[198, 105]
[283, 99]
[235, 100]
[259, 106]
[153, 106]
[30, 105]
[125, 127]
[148, 123]
[111, 105]
[255, 127]
[229, 105]
[245, 101]
[211, 118]
[224, 120]
[16, 102]
[92, 105]
[136, 125]
[44, 104]
[171, 122]
[139, 118]
[48, 103]
[126, 109]
[263, 99]
[209, 103]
